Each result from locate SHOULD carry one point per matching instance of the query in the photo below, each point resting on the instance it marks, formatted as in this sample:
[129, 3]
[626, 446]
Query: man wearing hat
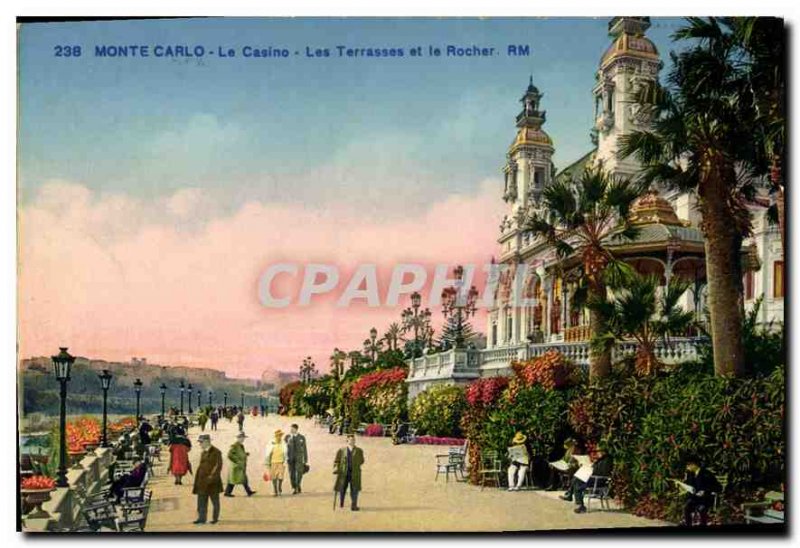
[520, 457]
[208, 480]
[347, 467]
[237, 472]
[296, 458]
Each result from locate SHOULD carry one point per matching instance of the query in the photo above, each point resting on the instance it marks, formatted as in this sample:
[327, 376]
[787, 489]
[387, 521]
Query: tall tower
[629, 62]
[528, 168]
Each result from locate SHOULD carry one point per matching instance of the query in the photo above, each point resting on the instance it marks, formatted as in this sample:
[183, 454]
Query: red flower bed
[434, 440]
[38, 482]
[485, 391]
[374, 430]
[377, 379]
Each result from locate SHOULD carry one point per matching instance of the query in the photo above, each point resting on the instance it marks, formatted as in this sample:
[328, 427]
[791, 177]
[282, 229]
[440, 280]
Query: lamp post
[458, 307]
[190, 397]
[371, 347]
[417, 320]
[199, 392]
[62, 363]
[182, 388]
[225, 400]
[242, 400]
[163, 396]
[105, 382]
[137, 386]
[210, 396]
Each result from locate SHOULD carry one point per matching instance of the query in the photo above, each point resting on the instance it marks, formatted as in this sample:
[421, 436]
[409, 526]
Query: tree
[392, 336]
[643, 313]
[701, 140]
[455, 335]
[579, 217]
[337, 364]
[762, 41]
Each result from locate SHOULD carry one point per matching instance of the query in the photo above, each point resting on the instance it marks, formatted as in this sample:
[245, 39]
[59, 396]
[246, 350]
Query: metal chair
[447, 464]
[598, 487]
[490, 468]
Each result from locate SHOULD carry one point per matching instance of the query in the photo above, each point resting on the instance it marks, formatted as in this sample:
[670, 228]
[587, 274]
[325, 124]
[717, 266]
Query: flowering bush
[125, 423]
[551, 370]
[287, 396]
[379, 396]
[374, 430]
[437, 411]
[484, 392]
[650, 424]
[82, 432]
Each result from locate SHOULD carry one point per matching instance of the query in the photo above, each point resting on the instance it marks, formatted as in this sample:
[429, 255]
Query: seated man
[602, 466]
[134, 478]
[565, 466]
[705, 484]
[520, 456]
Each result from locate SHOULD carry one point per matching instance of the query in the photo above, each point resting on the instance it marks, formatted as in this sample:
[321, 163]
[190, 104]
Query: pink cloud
[114, 277]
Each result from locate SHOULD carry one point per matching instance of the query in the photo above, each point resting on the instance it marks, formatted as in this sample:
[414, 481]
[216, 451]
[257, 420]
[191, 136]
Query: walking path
[399, 493]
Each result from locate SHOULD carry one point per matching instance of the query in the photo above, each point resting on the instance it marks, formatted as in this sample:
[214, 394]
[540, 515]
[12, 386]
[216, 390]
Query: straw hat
[519, 438]
[278, 433]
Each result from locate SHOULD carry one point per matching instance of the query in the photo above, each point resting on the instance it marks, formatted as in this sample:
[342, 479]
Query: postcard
[309, 274]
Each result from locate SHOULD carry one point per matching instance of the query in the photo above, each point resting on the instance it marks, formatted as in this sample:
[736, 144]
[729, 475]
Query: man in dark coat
[296, 458]
[347, 467]
[208, 480]
[705, 485]
[144, 431]
[602, 466]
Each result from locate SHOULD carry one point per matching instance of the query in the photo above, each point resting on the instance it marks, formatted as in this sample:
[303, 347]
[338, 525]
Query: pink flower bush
[378, 379]
[434, 440]
[374, 430]
[486, 391]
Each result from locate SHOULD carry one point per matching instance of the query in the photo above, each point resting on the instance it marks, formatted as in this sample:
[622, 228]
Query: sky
[154, 192]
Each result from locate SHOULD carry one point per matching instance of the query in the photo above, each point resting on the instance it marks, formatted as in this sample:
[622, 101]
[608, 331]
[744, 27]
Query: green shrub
[649, 424]
[437, 411]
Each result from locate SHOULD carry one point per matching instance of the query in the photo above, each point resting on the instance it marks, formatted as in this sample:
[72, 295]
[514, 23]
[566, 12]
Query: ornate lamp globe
[416, 299]
[373, 333]
[138, 386]
[62, 364]
[163, 388]
[105, 379]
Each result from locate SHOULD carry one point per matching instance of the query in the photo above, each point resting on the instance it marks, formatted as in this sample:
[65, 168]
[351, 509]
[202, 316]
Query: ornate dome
[531, 136]
[652, 208]
[630, 45]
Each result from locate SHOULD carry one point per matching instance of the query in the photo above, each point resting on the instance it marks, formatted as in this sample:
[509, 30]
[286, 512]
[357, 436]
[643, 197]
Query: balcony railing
[468, 363]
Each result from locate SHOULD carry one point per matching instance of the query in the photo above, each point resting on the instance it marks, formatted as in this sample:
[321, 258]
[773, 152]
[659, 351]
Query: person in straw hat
[237, 473]
[520, 457]
[276, 459]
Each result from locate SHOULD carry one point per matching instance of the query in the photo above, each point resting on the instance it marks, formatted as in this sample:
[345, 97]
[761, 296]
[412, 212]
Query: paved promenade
[399, 493]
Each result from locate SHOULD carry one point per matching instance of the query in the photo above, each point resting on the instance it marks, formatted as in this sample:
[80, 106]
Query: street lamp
[62, 363]
[457, 307]
[225, 400]
[210, 395]
[190, 398]
[370, 346]
[182, 388]
[199, 392]
[163, 395]
[417, 320]
[137, 386]
[242, 400]
[105, 382]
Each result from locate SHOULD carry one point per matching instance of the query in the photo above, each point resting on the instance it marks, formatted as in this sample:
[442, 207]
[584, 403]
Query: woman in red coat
[179, 448]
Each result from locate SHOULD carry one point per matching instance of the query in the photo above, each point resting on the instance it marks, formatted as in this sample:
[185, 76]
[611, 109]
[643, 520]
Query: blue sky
[299, 129]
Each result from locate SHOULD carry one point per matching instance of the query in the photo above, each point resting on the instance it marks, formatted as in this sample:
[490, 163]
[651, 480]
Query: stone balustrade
[460, 366]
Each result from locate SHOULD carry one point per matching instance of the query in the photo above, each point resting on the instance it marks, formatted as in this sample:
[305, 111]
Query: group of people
[702, 484]
[285, 454]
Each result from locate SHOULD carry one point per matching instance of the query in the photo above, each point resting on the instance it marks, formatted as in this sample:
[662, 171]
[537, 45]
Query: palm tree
[701, 140]
[580, 217]
[337, 364]
[763, 41]
[392, 336]
[640, 313]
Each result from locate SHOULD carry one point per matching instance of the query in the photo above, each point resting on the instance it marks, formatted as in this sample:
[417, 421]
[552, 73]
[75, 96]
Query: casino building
[669, 241]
